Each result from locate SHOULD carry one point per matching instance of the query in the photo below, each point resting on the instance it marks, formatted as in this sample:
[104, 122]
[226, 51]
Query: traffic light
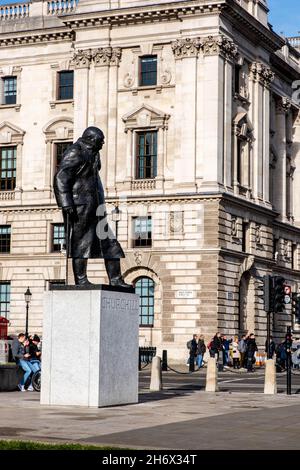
[288, 340]
[267, 296]
[279, 294]
[296, 306]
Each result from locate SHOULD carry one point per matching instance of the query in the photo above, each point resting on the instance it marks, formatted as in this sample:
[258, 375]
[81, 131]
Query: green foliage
[30, 445]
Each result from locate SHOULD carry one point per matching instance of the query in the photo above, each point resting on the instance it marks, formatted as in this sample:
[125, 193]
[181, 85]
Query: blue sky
[284, 15]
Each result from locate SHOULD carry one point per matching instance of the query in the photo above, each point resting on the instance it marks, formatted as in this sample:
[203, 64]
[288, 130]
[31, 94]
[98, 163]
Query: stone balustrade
[294, 41]
[60, 7]
[14, 11]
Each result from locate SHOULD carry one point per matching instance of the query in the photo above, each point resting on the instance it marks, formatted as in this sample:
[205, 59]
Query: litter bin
[3, 327]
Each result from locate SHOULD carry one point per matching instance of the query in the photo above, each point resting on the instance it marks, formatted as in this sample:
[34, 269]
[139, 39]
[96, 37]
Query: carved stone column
[283, 106]
[296, 175]
[219, 55]
[101, 61]
[261, 77]
[112, 130]
[81, 61]
[185, 51]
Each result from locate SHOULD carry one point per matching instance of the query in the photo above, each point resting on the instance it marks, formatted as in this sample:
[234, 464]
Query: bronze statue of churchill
[79, 193]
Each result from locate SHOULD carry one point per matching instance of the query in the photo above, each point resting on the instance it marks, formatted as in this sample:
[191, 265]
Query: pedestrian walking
[250, 352]
[216, 345]
[242, 347]
[193, 353]
[235, 352]
[201, 349]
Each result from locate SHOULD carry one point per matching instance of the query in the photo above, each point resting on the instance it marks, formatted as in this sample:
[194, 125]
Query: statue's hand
[71, 212]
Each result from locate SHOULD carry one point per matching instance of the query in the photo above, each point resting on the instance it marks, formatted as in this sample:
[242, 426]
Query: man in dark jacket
[216, 345]
[250, 352]
[80, 195]
[22, 359]
[193, 353]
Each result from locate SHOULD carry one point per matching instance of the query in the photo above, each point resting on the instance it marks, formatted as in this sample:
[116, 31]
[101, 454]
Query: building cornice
[143, 14]
[283, 69]
[250, 27]
[43, 36]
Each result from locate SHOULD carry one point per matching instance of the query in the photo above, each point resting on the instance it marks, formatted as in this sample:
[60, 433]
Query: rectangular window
[146, 155]
[142, 231]
[237, 71]
[148, 70]
[4, 299]
[59, 149]
[10, 90]
[144, 287]
[65, 85]
[5, 231]
[245, 237]
[8, 157]
[58, 237]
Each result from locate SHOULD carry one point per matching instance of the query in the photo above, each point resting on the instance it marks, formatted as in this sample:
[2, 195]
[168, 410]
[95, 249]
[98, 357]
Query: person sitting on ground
[21, 358]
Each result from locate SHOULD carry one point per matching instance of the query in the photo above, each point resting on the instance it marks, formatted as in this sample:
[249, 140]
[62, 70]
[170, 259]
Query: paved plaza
[182, 416]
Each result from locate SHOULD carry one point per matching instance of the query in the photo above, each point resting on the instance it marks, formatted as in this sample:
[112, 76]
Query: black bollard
[164, 363]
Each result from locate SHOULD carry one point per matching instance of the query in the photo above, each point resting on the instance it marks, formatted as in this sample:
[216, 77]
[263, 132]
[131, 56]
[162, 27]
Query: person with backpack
[201, 349]
[192, 347]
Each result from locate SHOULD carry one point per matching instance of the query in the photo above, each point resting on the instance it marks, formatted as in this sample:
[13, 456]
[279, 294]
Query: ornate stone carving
[258, 234]
[107, 56]
[82, 59]
[261, 73]
[244, 85]
[176, 222]
[213, 45]
[285, 250]
[102, 56]
[234, 227]
[128, 80]
[187, 47]
[166, 77]
[138, 257]
[116, 55]
[283, 105]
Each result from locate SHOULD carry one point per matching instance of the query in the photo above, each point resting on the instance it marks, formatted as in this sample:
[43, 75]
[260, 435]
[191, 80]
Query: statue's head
[94, 138]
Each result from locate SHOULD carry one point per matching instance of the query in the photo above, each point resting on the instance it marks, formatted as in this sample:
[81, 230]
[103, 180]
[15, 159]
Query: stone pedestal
[270, 378]
[211, 376]
[90, 347]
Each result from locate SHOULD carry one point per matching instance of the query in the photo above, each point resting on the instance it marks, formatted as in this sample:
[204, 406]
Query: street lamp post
[27, 296]
[116, 217]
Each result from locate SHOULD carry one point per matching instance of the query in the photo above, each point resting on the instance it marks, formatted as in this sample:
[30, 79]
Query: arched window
[144, 287]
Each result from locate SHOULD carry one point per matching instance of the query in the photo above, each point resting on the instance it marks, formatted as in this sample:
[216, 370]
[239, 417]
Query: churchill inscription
[119, 304]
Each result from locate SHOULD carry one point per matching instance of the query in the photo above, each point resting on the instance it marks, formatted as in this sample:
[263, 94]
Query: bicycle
[36, 381]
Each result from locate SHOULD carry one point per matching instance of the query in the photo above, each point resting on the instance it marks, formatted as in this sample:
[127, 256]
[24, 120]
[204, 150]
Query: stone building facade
[202, 155]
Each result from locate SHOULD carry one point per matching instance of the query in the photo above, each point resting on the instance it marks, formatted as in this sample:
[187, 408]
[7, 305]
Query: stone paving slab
[170, 419]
